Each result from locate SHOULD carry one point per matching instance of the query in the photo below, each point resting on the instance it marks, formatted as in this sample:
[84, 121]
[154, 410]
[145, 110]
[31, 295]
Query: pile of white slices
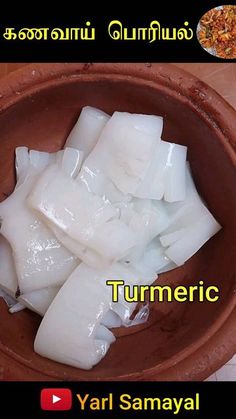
[117, 202]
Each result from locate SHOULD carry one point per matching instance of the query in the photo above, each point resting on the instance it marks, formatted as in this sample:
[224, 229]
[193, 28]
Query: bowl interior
[42, 120]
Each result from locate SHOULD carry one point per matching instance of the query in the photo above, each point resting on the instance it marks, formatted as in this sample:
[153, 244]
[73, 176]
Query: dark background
[104, 49]
[217, 399]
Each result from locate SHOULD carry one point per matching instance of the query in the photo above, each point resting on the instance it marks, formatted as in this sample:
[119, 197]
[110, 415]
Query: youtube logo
[56, 399]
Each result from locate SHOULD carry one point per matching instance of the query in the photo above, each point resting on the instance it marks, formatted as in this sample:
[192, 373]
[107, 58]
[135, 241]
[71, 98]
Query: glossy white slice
[165, 177]
[123, 152]
[40, 300]
[82, 216]
[8, 278]
[86, 131]
[40, 260]
[74, 329]
[68, 330]
[191, 225]
[37, 301]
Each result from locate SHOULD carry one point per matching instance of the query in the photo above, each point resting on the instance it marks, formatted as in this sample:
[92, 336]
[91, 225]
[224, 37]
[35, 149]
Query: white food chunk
[16, 308]
[87, 129]
[22, 162]
[70, 160]
[149, 219]
[154, 257]
[191, 225]
[193, 239]
[123, 152]
[8, 278]
[165, 177]
[67, 333]
[111, 319]
[175, 182]
[74, 329]
[84, 217]
[89, 256]
[103, 334]
[40, 260]
[37, 301]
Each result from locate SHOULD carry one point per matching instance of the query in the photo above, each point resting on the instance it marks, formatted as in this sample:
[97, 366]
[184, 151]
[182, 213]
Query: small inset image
[216, 31]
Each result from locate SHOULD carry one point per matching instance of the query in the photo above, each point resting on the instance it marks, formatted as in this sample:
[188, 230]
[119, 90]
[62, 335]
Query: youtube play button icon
[56, 399]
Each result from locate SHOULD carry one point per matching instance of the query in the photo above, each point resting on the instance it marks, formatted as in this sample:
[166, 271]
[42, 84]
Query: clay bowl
[38, 106]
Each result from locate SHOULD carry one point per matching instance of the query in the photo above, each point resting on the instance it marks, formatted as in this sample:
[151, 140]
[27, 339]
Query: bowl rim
[213, 109]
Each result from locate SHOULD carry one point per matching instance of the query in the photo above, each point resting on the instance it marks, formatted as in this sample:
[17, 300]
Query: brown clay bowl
[38, 106]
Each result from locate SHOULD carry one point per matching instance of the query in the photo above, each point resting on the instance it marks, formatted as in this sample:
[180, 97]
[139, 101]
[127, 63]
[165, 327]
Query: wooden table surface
[222, 77]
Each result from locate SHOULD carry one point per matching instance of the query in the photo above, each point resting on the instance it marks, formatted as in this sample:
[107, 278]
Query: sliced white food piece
[140, 317]
[170, 238]
[168, 267]
[153, 184]
[153, 261]
[70, 160]
[21, 162]
[184, 212]
[16, 308]
[193, 239]
[131, 275]
[87, 129]
[71, 338]
[40, 300]
[87, 255]
[149, 219]
[175, 179]
[130, 139]
[9, 300]
[82, 216]
[40, 260]
[81, 338]
[124, 151]
[37, 301]
[41, 159]
[166, 174]
[8, 278]
[126, 211]
[154, 257]
[191, 225]
[99, 184]
[103, 334]
[111, 319]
